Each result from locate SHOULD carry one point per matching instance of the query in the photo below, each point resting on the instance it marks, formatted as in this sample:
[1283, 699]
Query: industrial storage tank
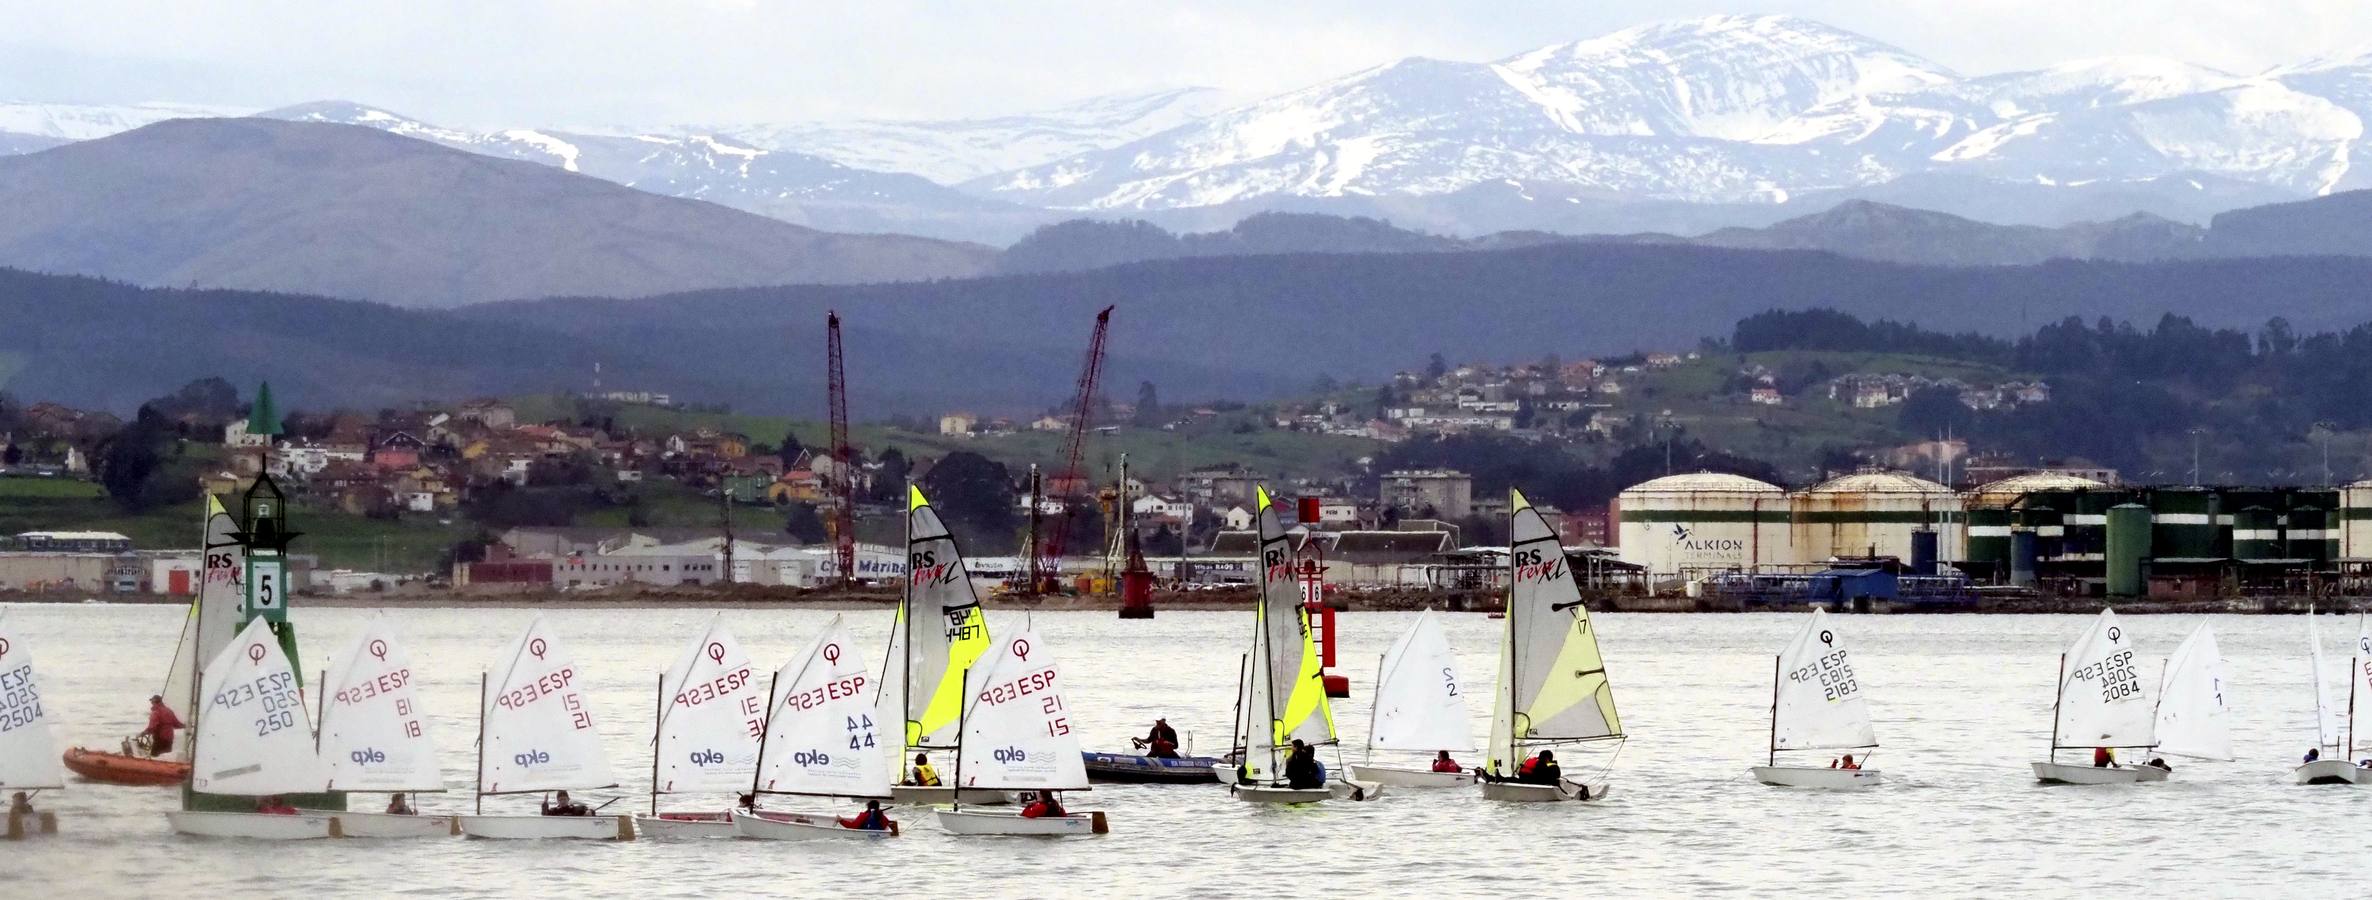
[1701, 523]
[2188, 523]
[2355, 520]
[1875, 514]
[2009, 491]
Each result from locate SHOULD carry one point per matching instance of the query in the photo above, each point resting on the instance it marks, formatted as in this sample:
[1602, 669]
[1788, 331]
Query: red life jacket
[1530, 766]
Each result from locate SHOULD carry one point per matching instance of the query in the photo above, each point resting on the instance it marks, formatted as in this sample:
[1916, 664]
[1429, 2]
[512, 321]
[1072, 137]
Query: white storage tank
[1702, 523]
[2355, 520]
[1874, 513]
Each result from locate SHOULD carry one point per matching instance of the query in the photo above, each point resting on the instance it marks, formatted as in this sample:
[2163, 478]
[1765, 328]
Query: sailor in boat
[1443, 764]
[1046, 805]
[2159, 762]
[2314, 753]
[560, 805]
[1302, 769]
[872, 819]
[2104, 758]
[274, 806]
[20, 814]
[1541, 769]
[1161, 742]
[923, 775]
[161, 725]
[1848, 763]
[399, 804]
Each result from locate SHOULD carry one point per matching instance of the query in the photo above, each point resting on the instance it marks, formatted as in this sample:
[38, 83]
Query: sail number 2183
[1831, 672]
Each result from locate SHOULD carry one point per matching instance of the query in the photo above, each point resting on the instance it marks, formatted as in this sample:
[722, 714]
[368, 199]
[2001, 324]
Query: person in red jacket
[161, 725]
[1045, 806]
[872, 819]
[1444, 764]
[2104, 758]
[274, 806]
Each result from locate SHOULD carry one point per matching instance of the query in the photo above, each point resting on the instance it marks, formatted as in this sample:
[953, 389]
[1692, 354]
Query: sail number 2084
[2116, 675]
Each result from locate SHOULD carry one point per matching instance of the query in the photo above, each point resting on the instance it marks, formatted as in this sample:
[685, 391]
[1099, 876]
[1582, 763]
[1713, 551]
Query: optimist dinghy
[1817, 703]
[2336, 745]
[705, 740]
[820, 740]
[535, 735]
[1419, 707]
[1016, 736]
[2102, 703]
[375, 737]
[254, 739]
[28, 750]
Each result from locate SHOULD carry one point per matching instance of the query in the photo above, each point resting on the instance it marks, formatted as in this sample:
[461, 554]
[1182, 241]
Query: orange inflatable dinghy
[117, 768]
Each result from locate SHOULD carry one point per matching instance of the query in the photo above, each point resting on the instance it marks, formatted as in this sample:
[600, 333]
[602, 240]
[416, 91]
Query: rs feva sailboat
[375, 738]
[705, 735]
[1419, 707]
[1817, 703]
[254, 739]
[820, 740]
[1285, 696]
[941, 631]
[2334, 742]
[2102, 704]
[536, 735]
[1553, 689]
[212, 620]
[28, 751]
[1016, 736]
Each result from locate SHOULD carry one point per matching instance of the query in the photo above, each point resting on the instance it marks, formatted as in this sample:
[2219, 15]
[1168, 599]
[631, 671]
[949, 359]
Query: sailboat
[820, 741]
[212, 620]
[1284, 696]
[375, 737]
[2331, 742]
[705, 739]
[28, 751]
[254, 738]
[536, 734]
[2102, 703]
[1419, 707]
[1817, 703]
[1016, 736]
[941, 631]
[1553, 688]
[2193, 720]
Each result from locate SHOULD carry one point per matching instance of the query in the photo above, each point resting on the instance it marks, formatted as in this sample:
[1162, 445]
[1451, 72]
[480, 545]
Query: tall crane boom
[844, 515]
[1070, 481]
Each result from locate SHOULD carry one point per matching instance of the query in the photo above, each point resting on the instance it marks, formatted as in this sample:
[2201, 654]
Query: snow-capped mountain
[1724, 110]
[793, 187]
[954, 150]
[63, 122]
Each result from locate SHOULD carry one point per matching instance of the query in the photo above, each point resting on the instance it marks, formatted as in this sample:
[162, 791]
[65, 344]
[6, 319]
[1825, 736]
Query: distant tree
[889, 481]
[11, 455]
[1385, 399]
[1932, 411]
[1148, 413]
[974, 496]
[129, 458]
[790, 449]
[1435, 367]
[806, 525]
[1165, 542]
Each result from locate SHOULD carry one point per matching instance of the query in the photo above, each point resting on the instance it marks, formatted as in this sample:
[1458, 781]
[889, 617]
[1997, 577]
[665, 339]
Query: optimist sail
[942, 625]
[374, 736]
[821, 736]
[1553, 685]
[2359, 691]
[1017, 726]
[254, 737]
[2103, 701]
[711, 714]
[538, 732]
[1820, 703]
[1419, 704]
[28, 749]
[1288, 690]
[2326, 715]
[2192, 717]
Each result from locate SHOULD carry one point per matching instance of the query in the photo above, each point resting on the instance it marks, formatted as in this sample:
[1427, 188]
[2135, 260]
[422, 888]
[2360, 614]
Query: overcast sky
[493, 63]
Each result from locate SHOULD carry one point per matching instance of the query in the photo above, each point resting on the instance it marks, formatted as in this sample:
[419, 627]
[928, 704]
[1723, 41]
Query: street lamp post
[2324, 430]
[2195, 433]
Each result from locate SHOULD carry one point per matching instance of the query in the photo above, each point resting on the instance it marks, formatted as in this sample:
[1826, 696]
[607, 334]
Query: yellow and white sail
[1288, 689]
[940, 624]
[1552, 679]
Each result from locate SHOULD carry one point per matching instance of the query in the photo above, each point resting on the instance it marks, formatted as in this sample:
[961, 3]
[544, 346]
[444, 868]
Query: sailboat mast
[763, 731]
[1242, 736]
[1514, 659]
[2353, 676]
[658, 720]
[906, 642]
[2058, 696]
[481, 801]
[956, 799]
[1372, 708]
[1773, 758]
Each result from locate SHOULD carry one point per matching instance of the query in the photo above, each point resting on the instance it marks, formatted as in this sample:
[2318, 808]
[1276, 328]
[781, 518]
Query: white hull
[1355, 790]
[2062, 773]
[912, 794]
[1226, 772]
[1512, 792]
[968, 821]
[684, 826]
[1817, 777]
[254, 826]
[1259, 794]
[779, 826]
[1410, 778]
[382, 825]
[2333, 771]
[538, 828]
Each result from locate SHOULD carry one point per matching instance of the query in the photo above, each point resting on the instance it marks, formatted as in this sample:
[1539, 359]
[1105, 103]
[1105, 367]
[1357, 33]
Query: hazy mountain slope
[954, 150]
[353, 212]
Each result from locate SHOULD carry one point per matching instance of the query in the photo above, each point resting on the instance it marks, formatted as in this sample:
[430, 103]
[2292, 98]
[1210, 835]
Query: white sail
[1017, 725]
[28, 747]
[1554, 685]
[2192, 718]
[1820, 703]
[2359, 692]
[253, 732]
[1287, 694]
[821, 735]
[2103, 701]
[942, 625]
[213, 615]
[712, 711]
[2326, 715]
[1419, 704]
[374, 736]
[538, 732]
